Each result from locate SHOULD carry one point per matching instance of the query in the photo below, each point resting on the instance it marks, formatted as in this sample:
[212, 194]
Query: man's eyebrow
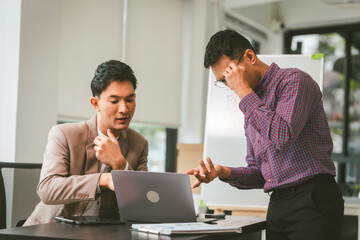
[129, 96]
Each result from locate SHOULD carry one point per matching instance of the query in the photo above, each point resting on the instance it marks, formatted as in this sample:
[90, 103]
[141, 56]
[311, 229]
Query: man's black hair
[226, 42]
[109, 72]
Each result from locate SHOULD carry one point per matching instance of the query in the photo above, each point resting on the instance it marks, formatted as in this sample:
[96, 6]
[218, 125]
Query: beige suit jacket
[70, 172]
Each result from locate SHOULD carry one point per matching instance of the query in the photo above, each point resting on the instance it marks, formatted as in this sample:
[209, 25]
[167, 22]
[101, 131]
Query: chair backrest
[2, 185]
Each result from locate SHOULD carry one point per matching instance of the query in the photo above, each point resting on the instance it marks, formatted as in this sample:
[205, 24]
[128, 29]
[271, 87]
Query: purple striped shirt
[287, 133]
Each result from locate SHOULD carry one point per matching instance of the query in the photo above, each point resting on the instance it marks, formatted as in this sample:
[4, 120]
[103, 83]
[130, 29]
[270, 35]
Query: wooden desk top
[103, 232]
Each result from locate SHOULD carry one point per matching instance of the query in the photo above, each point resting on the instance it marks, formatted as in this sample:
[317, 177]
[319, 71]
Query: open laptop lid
[153, 196]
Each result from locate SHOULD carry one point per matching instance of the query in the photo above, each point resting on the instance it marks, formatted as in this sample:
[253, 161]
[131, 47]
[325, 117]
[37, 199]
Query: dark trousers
[310, 210]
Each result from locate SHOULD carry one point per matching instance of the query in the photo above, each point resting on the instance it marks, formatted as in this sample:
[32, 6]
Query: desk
[249, 226]
[240, 210]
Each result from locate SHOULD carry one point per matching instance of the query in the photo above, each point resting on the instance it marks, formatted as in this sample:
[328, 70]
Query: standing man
[289, 144]
[75, 178]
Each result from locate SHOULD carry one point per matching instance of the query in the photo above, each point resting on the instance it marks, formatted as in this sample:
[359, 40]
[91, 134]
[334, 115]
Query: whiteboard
[225, 141]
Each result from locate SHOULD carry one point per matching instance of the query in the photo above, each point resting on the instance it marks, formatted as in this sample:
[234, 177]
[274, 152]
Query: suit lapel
[92, 164]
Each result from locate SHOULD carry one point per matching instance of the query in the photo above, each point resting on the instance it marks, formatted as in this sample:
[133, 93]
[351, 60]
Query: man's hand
[106, 181]
[238, 79]
[108, 151]
[206, 173]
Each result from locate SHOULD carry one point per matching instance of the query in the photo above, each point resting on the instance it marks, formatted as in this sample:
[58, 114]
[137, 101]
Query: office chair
[2, 188]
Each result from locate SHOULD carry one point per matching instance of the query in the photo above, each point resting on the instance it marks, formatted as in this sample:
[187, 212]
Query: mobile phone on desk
[215, 215]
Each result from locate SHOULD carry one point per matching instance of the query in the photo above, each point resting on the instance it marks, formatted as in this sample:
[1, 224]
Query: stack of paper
[182, 228]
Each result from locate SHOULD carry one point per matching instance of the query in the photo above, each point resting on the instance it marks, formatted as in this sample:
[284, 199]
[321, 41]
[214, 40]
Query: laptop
[154, 196]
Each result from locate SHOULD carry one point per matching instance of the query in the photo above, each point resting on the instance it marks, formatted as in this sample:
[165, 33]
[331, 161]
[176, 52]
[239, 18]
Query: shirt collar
[267, 78]
[101, 134]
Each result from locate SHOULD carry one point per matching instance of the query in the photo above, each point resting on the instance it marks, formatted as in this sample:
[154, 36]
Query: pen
[216, 215]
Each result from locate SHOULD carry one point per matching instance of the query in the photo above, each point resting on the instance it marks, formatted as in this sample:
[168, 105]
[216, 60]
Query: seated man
[75, 177]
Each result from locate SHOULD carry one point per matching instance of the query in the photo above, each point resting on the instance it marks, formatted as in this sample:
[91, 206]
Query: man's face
[246, 68]
[219, 67]
[115, 107]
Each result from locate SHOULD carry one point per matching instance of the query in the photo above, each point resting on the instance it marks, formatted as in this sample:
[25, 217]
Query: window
[332, 45]
[341, 90]
[156, 136]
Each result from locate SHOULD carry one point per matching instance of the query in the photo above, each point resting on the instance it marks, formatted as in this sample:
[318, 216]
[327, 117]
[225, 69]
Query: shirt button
[269, 180]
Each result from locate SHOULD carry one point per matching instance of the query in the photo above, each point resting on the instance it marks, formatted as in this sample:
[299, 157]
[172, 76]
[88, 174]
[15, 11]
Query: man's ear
[250, 56]
[95, 103]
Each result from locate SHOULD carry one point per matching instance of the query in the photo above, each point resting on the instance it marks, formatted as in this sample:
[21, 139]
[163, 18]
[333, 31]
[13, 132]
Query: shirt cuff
[236, 176]
[249, 103]
[126, 167]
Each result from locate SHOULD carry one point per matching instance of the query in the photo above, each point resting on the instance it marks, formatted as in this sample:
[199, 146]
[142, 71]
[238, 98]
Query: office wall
[91, 34]
[38, 78]
[29, 63]
[10, 12]
[199, 18]
[37, 95]
[154, 50]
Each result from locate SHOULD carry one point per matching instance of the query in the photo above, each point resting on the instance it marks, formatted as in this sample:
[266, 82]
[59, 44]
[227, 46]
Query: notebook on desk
[183, 228]
[154, 197]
